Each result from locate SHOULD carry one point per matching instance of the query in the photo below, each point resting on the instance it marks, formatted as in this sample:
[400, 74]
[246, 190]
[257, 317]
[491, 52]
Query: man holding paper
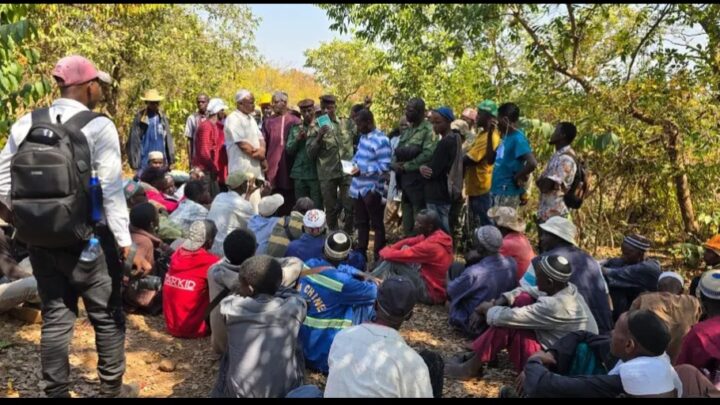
[327, 146]
[371, 164]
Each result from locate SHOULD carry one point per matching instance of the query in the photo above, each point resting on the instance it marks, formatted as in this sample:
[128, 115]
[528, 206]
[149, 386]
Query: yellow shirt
[478, 179]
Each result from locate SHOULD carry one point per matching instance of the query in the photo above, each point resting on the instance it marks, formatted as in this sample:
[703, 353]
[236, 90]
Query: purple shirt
[276, 131]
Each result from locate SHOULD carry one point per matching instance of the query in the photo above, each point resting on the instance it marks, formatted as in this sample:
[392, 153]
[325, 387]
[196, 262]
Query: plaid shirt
[373, 159]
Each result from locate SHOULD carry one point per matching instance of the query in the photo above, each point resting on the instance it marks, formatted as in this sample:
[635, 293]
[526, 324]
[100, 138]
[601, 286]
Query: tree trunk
[682, 186]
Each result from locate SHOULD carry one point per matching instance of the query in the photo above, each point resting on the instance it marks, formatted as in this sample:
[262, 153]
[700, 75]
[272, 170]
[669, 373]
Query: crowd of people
[265, 247]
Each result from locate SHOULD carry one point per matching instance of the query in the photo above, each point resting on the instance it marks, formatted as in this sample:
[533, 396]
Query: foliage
[641, 88]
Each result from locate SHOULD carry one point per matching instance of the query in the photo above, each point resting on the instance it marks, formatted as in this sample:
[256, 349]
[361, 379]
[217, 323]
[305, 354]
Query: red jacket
[434, 254]
[517, 246]
[185, 293]
[209, 141]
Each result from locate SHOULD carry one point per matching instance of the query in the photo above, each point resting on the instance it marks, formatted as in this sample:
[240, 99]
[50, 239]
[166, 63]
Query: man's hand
[426, 171]
[355, 172]
[301, 135]
[546, 358]
[323, 131]
[397, 167]
[483, 308]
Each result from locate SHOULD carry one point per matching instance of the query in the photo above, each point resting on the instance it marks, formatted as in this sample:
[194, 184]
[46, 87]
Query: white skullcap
[314, 219]
[216, 105]
[154, 155]
[672, 274]
[268, 205]
[242, 94]
[648, 376]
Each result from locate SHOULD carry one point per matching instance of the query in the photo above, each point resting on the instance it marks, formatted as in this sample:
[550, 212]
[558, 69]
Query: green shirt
[336, 145]
[303, 168]
[423, 136]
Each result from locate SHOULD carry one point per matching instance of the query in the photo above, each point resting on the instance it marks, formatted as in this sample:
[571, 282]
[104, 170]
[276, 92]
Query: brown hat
[328, 98]
[306, 103]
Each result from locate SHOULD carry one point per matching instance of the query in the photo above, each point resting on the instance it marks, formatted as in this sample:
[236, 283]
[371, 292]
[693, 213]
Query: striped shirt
[373, 160]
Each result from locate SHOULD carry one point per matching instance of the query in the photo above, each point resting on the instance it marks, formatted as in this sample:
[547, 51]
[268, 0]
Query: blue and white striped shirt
[373, 160]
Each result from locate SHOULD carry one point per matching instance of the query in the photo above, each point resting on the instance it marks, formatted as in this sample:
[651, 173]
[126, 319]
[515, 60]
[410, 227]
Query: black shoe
[507, 391]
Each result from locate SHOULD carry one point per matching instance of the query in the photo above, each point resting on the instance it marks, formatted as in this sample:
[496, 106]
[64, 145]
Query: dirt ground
[147, 344]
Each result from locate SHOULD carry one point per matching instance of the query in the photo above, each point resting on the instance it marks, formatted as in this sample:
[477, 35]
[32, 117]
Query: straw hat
[152, 95]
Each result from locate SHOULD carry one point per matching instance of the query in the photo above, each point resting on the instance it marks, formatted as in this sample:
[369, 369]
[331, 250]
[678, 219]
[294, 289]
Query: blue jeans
[479, 206]
[443, 211]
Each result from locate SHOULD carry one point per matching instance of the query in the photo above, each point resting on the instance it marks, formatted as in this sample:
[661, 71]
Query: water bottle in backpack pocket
[50, 181]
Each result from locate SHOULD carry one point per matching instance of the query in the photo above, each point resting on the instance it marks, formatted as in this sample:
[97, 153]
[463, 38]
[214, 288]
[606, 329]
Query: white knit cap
[241, 95]
[314, 219]
[216, 105]
[562, 228]
[156, 155]
[268, 205]
[671, 274]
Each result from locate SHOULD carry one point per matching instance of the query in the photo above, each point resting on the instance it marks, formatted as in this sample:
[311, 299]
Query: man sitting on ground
[17, 284]
[263, 359]
[701, 346]
[425, 258]
[160, 187]
[223, 279]
[338, 297]
[631, 274]
[185, 291]
[288, 228]
[644, 370]
[484, 281]
[312, 241]
[372, 360]
[167, 230]
[232, 209]
[194, 206]
[527, 327]
[515, 242]
[558, 237]
[264, 222]
[679, 311]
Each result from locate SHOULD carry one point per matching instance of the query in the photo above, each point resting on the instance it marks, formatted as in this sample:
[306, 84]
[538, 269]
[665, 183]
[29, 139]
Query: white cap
[216, 105]
[314, 219]
[241, 95]
[562, 228]
[649, 376]
[268, 205]
[672, 274]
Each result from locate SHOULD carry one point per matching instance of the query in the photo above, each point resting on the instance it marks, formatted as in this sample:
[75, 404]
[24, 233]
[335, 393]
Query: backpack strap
[41, 116]
[286, 226]
[74, 126]
[224, 293]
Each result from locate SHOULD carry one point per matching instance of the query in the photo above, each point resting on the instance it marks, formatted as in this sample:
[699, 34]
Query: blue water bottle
[95, 198]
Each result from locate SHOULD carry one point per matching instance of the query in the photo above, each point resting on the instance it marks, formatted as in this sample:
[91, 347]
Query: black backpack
[50, 175]
[575, 195]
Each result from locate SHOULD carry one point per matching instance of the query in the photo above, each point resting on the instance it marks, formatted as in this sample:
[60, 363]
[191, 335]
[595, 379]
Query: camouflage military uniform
[411, 181]
[336, 145]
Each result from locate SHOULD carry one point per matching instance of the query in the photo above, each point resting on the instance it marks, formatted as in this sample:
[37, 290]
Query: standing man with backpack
[559, 175]
[45, 172]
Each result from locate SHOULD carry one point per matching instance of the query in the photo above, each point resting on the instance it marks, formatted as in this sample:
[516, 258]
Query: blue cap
[446, 112]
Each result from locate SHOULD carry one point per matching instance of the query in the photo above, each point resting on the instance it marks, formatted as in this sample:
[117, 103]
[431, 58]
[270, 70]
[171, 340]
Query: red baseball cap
[75, 69]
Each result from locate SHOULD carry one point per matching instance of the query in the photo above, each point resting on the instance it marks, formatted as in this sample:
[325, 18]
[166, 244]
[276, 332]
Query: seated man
[193, 206]
[263, 359]
[232, 209]
[167, 230]
[263, 224]
[527, 328]
[312, 241]
[287, 228]
[372, 360]
[338, 297]
[679, 311]
[483, 281]
[515, 242]
[639, 341]
[17, 284]
[223, 279]
[160, 187]
[185, 291]
[630, 275]
[558, 237]
[701, 345]
[431, 251]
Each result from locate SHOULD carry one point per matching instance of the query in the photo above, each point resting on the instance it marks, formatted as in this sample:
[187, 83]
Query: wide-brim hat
[152, 95]
[506, 217]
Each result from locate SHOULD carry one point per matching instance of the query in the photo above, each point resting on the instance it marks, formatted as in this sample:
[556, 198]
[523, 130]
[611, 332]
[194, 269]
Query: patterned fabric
[188, 212]
[561, 170]
[373, 159]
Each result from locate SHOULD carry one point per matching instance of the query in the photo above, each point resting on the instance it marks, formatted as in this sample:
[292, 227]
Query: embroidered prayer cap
[490, 238]
[709, 285]
[554, 266]
[638, 242]
[672, 274]
[314, 218]
[338, 245]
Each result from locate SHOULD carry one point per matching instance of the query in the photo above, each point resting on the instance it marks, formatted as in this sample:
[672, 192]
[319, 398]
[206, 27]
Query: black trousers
[61, 279]
[370, 213]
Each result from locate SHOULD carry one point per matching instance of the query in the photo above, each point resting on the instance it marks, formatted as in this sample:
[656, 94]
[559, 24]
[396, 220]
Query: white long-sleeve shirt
[104, 143]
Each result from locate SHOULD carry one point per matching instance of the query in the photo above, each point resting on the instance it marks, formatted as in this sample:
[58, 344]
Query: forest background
[641, 82]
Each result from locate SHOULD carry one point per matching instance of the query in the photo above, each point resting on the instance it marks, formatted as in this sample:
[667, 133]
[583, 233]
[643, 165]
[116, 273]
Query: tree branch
[644, 39]
[552, 60]
[574, 33]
